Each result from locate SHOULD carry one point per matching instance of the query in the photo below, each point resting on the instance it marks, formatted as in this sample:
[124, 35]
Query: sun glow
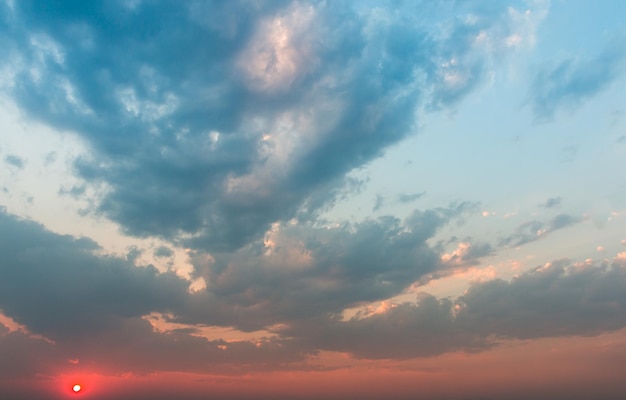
[76, 388]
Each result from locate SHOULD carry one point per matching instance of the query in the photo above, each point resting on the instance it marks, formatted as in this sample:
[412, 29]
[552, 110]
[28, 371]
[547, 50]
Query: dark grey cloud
[15, 161]
[561, 299]
[533, 230]
[132, 345]
[94, 307]
[201, 123]
[303, 272]
[475, 251]
[407, 198]
[572, 81]
[74, 191]
[55, 285]
[558, 299]
[24, 355]
[552, 202]
[163, 251]
[91, 308]
[408, 330]
[58, 287]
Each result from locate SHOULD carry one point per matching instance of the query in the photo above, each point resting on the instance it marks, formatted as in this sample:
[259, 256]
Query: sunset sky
[313, 199]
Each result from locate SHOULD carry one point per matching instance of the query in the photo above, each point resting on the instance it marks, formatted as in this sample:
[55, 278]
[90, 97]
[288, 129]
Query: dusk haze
[308, 200]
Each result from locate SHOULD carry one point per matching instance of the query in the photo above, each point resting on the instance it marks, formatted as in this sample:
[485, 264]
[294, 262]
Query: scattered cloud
[163, 251]
[14, 161]
[408, 198]
[552, 202]
[380, 200]
[572, 81]
[531, 231]
[467, 253]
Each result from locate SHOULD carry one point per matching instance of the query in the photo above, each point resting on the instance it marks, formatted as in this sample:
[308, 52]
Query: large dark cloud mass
[216, 119]
[89, 307]
[559, 299]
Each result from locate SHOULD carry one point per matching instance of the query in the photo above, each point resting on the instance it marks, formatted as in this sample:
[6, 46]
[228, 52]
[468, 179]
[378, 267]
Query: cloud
[44, 275]
[559, 299]
[467, 253]
[301, 272]
[407, 198]
[531, 231]
[380, 200]
[22, 354]
[92, 308]
[163, 251]
[319, 270]
[14, 161]
[208, 123]
[552, 202]
[96, 309]
[226, 128]
[572, 81]
[422, 329]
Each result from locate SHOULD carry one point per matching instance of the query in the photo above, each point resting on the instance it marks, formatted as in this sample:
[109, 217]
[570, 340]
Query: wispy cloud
[409, 197]
[531, 231]
[572, 81]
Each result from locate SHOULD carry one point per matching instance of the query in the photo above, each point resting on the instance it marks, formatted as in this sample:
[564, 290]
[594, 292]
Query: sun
[76, 388]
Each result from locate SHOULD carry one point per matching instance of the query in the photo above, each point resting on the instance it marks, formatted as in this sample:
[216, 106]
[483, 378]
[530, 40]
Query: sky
[312, 199]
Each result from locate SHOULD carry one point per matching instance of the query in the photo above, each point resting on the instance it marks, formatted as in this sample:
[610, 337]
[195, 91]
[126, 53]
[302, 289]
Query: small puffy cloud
[467, 253]
[74, 191]
[552, 202]
[163, 251]
[14, 161]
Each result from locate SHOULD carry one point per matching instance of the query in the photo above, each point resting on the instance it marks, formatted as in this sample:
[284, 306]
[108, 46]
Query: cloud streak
[573, 81]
